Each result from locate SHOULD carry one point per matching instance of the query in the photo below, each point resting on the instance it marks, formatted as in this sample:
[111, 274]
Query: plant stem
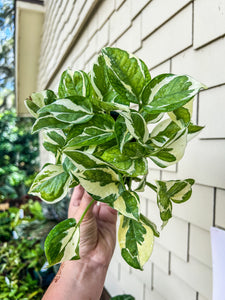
[84, 213]
[152, 186]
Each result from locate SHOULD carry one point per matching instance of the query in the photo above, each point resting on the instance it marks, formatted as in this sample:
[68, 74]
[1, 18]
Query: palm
[98, 228]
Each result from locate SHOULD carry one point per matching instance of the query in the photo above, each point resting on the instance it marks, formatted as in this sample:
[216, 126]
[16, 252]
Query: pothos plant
[97, 128]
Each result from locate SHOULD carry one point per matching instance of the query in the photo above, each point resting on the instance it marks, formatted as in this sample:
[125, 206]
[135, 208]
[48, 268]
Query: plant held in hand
[96, 126]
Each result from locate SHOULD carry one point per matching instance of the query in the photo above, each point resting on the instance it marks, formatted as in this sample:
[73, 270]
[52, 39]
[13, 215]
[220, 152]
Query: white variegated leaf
[95, 176]
[128, 204]
[182, 115]
[75, 112]
[177, 191]
[51, 184]
[171, 140]
[136, 125]
[62, 243]
[127, 74]
[39, 100]
[47, 122]
[136, 240]
[168, 92]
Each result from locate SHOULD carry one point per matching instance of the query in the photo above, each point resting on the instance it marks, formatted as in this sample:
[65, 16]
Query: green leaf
[62, 243]
[193, 130]
[74, 84]
[75, 111]
[171, 141]
[98, 130]
[53, 140]
[123, 163]
[51, 184]
[136, 125]
[99, 78]
[177, 191]
[114, 97]
[122, 133]
[136, 241]
[100, 105]
[47, 122]
[127, 74]
[141, 185]
[149, 223]
[128, 204]
[168, 92]
[123, 297]
[182, 115]
[32, 107]
[134, 150]
[39, 100]
[97, 178]
[151, 118]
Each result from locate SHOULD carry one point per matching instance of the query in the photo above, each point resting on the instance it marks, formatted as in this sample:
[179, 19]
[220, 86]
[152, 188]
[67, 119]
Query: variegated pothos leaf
[136, 241]
[96, 176]
[62, 242]
[51, 184]
[168, 92]
[75, 111]
[176, 191]
[127, 74]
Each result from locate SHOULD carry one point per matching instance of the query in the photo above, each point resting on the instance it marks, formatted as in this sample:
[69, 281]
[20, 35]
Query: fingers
[86, 199]
[77, 195]
[75, 200]
[103, 212]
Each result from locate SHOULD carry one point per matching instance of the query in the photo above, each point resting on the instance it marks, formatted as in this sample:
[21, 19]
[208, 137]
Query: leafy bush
[20, 262]
[19, 153]
[96, 126]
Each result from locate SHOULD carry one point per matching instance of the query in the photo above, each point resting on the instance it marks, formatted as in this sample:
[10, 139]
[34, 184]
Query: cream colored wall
[178, 36]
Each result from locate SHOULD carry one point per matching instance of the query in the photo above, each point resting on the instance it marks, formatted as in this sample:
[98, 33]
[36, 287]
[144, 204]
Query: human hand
[97, 229]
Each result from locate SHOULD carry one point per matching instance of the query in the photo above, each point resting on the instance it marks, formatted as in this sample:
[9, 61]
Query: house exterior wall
[178, 36]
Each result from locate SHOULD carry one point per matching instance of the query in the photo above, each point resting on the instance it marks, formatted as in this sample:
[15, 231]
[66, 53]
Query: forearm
[77, 281]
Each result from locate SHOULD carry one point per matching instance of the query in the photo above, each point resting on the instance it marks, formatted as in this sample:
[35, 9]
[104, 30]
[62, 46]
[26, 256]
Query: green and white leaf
[171, 141]
[122, 133]
[74, 83]
[100, 129]
[97, 178]
[136, 241]
[53, 140]
[151, 118]
[193, 131]
[134, 150]
[113, 97]
[75, 111]
[128, 204]
[108, 106]
[124, 164]
[136, 125]
[141, 184]
[39, 100]
[62, 242]
[127, 74]
[99, 78]
[168, 92]
[177, 191]
[182, 115]
[51, 184]
[47, 122]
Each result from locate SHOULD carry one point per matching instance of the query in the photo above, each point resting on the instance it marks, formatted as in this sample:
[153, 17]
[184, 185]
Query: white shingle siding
[209, 23]
[182, 37]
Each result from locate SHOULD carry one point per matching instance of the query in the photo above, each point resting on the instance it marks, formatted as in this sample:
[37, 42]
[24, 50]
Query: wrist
[81, 269]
